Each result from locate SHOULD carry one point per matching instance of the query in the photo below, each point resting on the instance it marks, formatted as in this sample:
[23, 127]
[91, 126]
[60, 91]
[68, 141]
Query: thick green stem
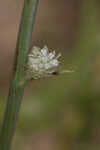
[17, 82]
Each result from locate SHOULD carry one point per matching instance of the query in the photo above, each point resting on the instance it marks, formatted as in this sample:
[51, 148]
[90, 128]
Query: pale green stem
[17, 81]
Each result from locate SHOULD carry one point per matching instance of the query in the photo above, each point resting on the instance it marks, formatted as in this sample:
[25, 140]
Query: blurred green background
[62, 112]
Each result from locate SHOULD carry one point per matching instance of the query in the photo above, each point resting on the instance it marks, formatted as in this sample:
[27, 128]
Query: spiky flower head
[42, 63]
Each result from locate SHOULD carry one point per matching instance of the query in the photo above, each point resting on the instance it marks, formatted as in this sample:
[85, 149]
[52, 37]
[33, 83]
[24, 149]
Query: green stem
[17, 82]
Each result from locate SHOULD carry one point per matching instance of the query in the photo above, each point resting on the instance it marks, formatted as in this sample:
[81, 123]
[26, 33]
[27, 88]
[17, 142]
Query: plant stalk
[17, 82]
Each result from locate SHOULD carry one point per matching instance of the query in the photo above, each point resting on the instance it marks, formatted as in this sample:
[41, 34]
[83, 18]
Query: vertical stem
[17, 82]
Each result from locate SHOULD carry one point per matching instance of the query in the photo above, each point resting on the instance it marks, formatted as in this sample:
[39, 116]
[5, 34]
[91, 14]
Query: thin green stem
[17, 81]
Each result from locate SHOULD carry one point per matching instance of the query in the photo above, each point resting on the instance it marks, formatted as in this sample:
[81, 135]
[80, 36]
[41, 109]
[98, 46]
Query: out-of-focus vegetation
[63, 112]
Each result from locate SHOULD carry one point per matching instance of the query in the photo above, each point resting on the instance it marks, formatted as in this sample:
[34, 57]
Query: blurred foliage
[69, 104]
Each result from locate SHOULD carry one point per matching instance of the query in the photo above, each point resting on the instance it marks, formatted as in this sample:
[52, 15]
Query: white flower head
[42, 63]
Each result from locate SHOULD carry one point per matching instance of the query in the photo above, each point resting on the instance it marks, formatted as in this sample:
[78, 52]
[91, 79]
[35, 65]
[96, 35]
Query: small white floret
[42, 63]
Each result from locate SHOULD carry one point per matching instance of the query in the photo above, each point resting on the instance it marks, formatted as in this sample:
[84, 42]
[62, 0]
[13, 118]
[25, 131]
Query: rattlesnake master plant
[42, 63]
